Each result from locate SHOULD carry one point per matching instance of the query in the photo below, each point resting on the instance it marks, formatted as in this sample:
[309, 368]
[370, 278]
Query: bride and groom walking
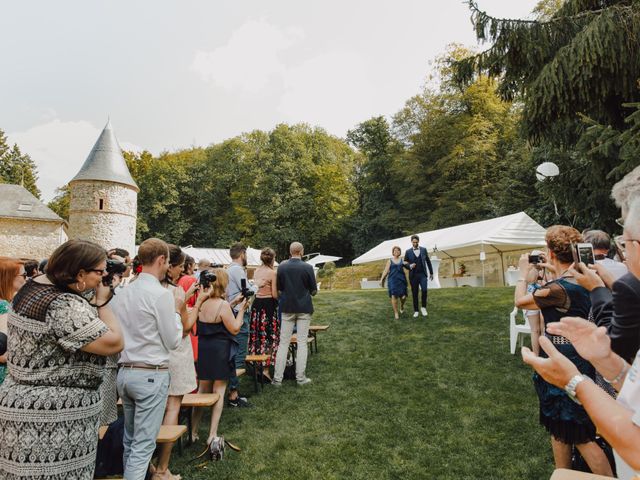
[416, 260]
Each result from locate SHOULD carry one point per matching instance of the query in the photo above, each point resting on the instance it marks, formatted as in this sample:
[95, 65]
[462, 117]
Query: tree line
[563, 87]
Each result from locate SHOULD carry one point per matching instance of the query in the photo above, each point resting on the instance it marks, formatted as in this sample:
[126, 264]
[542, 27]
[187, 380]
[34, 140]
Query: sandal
[166, 475]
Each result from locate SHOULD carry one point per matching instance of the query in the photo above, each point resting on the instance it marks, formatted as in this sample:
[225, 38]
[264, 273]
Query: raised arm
[233, 323]
[168, 320]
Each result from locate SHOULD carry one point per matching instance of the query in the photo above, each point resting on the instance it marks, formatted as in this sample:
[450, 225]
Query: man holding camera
[151, 328]
[237, 290]
[418, 261]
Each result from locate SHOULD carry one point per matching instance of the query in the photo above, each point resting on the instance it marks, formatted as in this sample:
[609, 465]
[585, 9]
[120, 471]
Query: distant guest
[264, 326]
[396, 281]
[12, 278]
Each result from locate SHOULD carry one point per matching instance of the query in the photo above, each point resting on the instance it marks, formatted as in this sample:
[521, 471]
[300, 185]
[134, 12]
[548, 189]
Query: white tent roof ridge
[513, 232]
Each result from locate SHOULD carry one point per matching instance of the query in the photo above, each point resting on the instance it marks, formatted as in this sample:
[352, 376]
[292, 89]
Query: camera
[207, 278]
[246, 292]
[534, 259]
[114, 267]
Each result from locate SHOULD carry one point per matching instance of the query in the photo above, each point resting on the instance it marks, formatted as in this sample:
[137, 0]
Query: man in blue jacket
[417, 261]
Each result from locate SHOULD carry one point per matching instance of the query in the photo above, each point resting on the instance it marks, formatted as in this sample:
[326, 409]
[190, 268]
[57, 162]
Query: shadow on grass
[434, 398]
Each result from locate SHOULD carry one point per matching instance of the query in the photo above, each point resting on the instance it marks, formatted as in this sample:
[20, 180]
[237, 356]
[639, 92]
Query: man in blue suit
[417, 261]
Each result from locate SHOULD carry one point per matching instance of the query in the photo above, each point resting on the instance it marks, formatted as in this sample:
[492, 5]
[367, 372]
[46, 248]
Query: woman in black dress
[217, 327]
[566, 421]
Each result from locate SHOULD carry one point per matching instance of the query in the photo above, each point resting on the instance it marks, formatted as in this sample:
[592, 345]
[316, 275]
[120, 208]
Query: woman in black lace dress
[50, 402]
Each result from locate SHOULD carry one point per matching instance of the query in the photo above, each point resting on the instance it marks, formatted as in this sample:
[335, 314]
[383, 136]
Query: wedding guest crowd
[592, 319]
[86, 327]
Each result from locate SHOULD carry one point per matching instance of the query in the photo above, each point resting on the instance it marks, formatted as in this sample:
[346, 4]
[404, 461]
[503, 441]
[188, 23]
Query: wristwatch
[570, 387]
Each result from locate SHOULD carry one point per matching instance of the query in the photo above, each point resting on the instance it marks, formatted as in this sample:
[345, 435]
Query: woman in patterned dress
[50, 402]
[182, 370]
[264, 326]
[12, 278]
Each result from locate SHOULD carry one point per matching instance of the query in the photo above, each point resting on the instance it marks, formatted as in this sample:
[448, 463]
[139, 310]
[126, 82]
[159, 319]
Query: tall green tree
[60, 203]
[376, 184]
[574, 69]
[465, 160]
[18, 168]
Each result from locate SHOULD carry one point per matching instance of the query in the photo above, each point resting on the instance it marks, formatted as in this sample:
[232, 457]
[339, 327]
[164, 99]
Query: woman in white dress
[181, 367]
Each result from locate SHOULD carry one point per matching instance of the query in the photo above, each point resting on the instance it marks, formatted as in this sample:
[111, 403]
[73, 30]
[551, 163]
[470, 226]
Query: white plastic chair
[516, 329]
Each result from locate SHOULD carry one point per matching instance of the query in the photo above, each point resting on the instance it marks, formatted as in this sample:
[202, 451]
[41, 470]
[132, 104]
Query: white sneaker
[415, 314]
[304, 381]
[424, 311]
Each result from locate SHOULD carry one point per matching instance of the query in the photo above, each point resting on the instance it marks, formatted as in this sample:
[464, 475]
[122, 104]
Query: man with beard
[237, 274]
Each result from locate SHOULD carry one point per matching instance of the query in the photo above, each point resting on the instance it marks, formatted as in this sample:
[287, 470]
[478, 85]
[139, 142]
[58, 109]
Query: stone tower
[104, 197]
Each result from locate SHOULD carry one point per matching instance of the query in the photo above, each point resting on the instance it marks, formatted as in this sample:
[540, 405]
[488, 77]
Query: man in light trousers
[151, 328]
[296, 284]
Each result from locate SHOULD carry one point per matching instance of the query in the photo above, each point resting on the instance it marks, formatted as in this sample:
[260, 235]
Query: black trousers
[417, 281]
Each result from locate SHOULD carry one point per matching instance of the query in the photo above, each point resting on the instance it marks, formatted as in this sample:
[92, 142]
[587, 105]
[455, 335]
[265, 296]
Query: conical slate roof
[105, 162]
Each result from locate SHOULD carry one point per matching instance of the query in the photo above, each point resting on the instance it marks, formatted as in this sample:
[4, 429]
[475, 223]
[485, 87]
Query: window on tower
[101, 204]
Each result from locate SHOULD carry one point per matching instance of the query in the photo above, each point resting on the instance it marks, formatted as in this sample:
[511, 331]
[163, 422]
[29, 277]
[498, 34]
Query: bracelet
[620, 376]
[522, 280]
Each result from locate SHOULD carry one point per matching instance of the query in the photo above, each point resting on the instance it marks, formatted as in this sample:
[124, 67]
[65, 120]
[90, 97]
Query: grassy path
[434, 399]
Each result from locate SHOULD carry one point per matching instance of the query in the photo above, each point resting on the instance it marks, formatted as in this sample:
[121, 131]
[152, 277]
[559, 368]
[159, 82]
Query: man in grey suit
[297, 284]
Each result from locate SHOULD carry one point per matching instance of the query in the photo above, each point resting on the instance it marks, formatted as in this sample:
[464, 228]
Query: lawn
[439, 398]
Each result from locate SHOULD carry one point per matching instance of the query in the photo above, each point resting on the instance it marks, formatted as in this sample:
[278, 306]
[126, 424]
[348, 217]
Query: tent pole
[504, 275]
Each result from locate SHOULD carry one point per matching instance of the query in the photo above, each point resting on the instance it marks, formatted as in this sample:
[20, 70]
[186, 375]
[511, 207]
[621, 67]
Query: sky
[177, 74]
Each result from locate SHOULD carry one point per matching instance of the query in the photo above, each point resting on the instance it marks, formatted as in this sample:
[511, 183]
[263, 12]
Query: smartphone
[534, 259]
[584, 252]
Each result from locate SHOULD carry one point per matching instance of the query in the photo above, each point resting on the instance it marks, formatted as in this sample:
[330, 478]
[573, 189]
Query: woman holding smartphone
[566, 421]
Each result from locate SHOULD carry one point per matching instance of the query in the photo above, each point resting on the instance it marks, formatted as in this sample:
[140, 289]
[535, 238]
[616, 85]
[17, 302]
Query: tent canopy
[320, 259]
[221, 255]
[498, 235]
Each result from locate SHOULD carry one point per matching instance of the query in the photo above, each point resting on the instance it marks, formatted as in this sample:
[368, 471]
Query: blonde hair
[219, 287]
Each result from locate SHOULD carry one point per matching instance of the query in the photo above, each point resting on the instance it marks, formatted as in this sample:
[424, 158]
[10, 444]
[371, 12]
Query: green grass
[434, 399]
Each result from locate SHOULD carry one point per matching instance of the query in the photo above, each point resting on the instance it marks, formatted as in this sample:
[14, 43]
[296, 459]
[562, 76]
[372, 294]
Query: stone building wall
[35, 239]
[104, 213]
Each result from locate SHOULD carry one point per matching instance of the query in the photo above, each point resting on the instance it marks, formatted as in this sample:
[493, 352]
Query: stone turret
[104, 197]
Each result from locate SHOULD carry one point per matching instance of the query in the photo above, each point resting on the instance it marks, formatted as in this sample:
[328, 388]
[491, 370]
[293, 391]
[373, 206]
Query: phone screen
[585, 253]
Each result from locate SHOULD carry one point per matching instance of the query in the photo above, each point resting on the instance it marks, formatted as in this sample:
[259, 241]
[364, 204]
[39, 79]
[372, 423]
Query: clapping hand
[590, 341]
[557, 369]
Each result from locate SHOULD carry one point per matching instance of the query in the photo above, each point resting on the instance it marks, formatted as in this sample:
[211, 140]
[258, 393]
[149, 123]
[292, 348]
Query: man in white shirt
[151, 328]
[601, 242]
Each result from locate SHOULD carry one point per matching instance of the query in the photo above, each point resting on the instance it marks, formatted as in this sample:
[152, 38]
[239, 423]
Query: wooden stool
[255, 362]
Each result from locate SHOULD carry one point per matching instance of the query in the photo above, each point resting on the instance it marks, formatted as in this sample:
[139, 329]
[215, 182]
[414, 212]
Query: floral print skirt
[264, 328]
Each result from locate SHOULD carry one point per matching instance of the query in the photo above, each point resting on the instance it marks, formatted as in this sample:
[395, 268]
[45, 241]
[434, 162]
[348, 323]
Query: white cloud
[59, 149]
[250, 58]
[330, 89]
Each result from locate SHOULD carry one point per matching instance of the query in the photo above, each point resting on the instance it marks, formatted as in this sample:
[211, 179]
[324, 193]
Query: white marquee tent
[499, 235]
[221, 255]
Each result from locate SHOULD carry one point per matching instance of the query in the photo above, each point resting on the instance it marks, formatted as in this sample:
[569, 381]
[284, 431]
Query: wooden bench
[255, 362]
[564, 474]
[167, 433]
[313, 331]
[197, 400]
[240, 372]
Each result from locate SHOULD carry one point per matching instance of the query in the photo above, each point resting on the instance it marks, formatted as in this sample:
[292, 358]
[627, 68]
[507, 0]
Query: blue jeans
[144, 397]
[243, 344]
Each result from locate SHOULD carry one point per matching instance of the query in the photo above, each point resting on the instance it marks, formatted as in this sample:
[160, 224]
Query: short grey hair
[296, 248]
[626, 190]
[632, 221]
[599, 239]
